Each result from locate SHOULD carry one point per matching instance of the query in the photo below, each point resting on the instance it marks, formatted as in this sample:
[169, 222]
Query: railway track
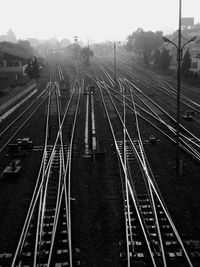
[171, 247]
[156, 87]
[55, 224]
[189, 142]
[53, 232]
[151, 234]
[46, 234]
[10, 131]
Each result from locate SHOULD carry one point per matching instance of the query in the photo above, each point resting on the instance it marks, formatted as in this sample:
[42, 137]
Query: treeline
[21, 45]
[150, 50]
[143, 44]
[80, 53]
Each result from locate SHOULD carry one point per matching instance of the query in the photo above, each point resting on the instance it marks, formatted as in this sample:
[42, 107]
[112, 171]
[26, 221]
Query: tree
[21, 46]
[25, 46]
[144, 43]
[157, 58]
[86, 53]
[28, 70]
[35, 69]
[186, 63]
[6, 44]
[146, 57]
[73, 50]
[102, 49]
[165, 59]
[64, 43]
[32, 69]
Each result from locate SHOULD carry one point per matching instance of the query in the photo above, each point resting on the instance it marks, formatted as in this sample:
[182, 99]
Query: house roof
[17, 53]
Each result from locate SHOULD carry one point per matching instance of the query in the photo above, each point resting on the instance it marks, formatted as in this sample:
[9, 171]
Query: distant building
[189, 30]
[75, 39]
[12, 65]
[187, 22]
[9, 37]
[194, 47]
[195, 64]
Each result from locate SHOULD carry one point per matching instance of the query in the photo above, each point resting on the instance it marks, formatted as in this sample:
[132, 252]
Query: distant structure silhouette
[75, 39]
[9, 37]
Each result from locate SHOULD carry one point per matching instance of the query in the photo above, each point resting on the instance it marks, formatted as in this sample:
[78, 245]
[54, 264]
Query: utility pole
[115, 65]
[115, 62]
[88, 54]
[179, 59]
[46, 54]
[179, 55]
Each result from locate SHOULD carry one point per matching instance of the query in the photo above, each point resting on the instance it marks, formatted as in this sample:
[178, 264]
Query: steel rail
[24, 112]
[61, 174]
[156, 85]
[183, 138]
[162, 80]
[21, 126]
[183, 97]
[45, 180]
[36, 195]
[149, 186]
[58, 195]
[127, 224]
[126, 177]
[44, 195]
[163, 206]
[70, 170]
[30, 211]
[144, 170]
[176, 233]
[129, 186]
[185, 253]
[107, 75]
[193, 152]
[42, 181]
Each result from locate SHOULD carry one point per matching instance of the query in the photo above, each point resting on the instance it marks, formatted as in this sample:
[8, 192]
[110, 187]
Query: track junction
[94, 198]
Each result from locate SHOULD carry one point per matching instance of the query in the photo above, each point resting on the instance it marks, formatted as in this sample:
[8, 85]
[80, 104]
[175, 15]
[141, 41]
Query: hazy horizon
[98, 21]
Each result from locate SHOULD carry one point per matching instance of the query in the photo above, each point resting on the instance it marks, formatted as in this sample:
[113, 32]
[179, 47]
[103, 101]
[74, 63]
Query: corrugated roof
[17, 53]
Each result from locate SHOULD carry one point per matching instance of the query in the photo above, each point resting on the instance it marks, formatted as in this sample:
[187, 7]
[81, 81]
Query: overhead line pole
[178, 170]
[115, 62]
[179, 59]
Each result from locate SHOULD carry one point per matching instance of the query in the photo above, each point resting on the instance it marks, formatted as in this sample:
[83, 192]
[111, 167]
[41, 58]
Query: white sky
[99, 20]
